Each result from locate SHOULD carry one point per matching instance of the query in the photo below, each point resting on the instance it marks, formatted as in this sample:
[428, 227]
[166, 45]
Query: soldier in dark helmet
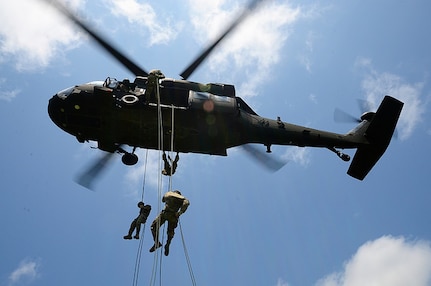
[136, 223]
[175, 205]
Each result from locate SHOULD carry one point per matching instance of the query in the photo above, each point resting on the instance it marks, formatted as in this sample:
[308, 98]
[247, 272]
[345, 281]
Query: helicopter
[203, 118]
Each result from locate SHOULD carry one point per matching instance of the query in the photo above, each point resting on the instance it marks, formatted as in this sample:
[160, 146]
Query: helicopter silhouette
[209, 118]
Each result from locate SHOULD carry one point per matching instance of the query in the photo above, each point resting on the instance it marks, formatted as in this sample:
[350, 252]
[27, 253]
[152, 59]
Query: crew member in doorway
[175, 205]
[136, 223]
[169, 169]
[152, 84]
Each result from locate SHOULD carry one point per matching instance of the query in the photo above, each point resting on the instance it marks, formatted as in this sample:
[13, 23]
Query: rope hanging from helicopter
[189, 265]
[140, 246]
[141, 241]
[157, 262]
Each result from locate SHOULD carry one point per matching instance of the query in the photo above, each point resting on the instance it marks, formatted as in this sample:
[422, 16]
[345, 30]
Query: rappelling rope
[160, 185]
[186, 254]
[141, 241]
[172, 145]
[189, 264]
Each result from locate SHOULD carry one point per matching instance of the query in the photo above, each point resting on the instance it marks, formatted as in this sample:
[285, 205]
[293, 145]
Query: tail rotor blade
[344, 117]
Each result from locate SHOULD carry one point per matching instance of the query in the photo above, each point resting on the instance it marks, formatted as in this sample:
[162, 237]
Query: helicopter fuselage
[203, 118]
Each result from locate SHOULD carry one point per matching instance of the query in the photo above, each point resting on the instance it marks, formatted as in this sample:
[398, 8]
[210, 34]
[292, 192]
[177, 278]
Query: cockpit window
[63, 94]
[111, 83]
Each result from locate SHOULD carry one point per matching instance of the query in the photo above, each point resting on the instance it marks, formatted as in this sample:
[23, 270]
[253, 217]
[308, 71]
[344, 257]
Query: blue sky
[307, 224]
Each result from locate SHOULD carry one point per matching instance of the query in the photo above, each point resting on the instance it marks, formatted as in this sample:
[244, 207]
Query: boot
[131, 229]
[155, 246]
[136, 236]
[168, 243]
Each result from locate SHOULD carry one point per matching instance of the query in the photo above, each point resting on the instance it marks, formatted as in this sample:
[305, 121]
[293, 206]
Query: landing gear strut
[128, 158]
[268, 148]
[343, 156]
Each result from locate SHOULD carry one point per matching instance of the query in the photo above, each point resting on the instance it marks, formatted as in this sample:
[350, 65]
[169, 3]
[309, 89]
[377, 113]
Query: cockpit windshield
[97, 83]
[63, 94]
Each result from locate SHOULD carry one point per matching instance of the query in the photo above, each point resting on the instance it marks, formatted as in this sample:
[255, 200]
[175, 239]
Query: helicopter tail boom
[378, 134]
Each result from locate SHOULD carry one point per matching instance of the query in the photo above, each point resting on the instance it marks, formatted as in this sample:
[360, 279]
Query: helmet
[178, 192]
[140, 203]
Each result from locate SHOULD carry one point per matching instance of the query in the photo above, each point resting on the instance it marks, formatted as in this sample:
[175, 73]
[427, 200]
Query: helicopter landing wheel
[129, 159]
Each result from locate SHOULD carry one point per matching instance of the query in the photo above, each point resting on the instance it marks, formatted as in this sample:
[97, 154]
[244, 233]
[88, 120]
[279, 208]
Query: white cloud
[281, 282]
[26, 271]
[9, 95]
[6, 94]
[33, 34]
[150, 167]
[376, 85]
[300, 155]
[256, 44]
[387, 261]
[305, 55]
[144, 15]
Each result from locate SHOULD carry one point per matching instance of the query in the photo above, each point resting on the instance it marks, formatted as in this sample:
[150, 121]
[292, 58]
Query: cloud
[253, 48]
[304, 57]
[26, 271]
[376, 85]
[386, 261]
[299, 155]
[281, 282]
[35, 42]
[6, 94]
[150, 167]
[144, 15]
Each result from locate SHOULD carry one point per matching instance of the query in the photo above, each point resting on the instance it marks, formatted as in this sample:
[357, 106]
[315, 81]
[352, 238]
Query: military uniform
[167, 171]
[152, 82]
[175, 205]
[136, 223]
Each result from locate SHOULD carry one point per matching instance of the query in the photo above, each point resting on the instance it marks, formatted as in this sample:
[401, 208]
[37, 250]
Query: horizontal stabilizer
[378, 134]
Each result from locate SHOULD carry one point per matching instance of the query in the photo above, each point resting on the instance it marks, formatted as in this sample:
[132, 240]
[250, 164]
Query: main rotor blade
[269, 162]
[204, 54]
[93, 171]
[125, 61]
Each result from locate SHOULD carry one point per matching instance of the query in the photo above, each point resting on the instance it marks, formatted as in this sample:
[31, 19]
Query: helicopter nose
[56, 111]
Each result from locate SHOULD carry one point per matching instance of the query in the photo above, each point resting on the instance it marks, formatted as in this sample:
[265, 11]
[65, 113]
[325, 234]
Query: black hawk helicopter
[209, 118]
